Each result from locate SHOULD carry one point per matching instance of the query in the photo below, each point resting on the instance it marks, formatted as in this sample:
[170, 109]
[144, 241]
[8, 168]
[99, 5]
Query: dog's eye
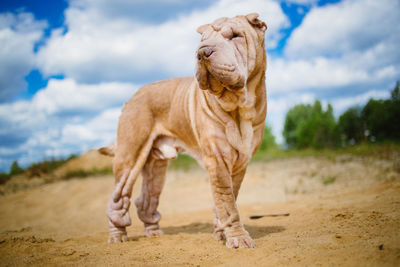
[236, 35]
[229, 33]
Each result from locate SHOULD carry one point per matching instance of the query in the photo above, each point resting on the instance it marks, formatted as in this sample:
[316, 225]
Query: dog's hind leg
[118, 210]
[119, 203]
[153, 181]
[130, 157]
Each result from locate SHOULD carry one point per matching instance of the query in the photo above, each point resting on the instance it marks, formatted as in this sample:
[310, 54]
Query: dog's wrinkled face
[227, 53]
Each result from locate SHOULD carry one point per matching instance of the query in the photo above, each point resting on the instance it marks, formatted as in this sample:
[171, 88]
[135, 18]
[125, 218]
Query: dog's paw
[117, 238]
[117, 234]
[219, 235]
[242, 241]
[153, 230]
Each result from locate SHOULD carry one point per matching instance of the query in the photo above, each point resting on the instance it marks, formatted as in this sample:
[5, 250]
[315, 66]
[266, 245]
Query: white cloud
[63, 118]
[107, 48]
[301, 2]
[66, 96]
[317, 73]
[18, 35]
[351, 46]
[80, 137]
[357, 25]
[60, 102]
[101, 130]
[341, 104]
[346, 44]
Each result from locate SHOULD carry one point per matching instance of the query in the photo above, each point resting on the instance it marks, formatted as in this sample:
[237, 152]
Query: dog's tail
[108, 150]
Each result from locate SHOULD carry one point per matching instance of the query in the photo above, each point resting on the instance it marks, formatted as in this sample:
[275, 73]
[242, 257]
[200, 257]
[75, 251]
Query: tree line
[310, 126]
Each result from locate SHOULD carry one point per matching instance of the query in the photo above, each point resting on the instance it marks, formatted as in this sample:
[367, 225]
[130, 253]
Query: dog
[218, 117]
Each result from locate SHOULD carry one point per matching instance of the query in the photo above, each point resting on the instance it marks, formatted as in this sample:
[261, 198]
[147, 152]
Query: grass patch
[47, 166]
[4, 177]
[278, 153]
[84, 173]
[329, 180]
[382, 150]
[183, 162]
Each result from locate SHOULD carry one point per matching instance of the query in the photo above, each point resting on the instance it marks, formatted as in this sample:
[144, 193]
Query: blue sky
[68, 66]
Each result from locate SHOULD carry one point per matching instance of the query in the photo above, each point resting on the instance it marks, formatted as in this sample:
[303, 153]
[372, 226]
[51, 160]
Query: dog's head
[229, 52]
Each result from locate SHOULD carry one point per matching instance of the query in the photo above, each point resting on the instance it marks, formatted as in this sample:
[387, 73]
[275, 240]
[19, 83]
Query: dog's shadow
[195, 228]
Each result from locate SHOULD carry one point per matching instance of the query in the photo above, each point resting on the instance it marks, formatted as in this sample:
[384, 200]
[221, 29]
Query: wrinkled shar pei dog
[217, 117]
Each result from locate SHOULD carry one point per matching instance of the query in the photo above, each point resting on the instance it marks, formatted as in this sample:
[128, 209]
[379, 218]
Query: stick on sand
[255, 217]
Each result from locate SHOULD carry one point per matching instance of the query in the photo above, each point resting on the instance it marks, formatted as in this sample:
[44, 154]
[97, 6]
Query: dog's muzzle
[215, 63]
[205, 52]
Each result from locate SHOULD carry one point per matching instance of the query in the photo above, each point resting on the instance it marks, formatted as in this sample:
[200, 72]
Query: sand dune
[353, 219]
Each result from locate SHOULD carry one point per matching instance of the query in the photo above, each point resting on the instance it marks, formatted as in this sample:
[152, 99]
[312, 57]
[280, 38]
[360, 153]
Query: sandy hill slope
[343, 211]
[91, 160]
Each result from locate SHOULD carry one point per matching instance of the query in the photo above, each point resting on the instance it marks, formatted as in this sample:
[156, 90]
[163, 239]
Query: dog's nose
[205, 52]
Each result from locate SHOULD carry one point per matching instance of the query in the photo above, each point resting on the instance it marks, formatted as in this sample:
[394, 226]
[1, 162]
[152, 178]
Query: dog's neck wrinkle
[255, 85]
[238, 123]
[258, 82]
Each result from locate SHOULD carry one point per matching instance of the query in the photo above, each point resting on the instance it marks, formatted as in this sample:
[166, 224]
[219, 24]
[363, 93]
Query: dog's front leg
[218, 162]
[237, 179]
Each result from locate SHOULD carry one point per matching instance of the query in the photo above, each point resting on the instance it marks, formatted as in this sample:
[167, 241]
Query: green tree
[382, 117]
[311, 126]
[395, 112]
[352, 126]
[396, 93]
[15, 169]
[268, 140]
[295, 116]
[380, 120]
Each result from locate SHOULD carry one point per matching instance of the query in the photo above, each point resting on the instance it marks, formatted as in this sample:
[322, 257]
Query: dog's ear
[203, 28]
[253, 20]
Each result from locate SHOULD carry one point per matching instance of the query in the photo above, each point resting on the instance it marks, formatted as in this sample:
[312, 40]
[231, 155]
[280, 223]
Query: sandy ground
[343, 212]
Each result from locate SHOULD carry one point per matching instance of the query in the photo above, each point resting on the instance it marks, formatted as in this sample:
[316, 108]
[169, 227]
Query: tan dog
[218, 118]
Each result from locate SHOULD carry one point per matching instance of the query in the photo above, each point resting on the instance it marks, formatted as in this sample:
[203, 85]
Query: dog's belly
[168, 147]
